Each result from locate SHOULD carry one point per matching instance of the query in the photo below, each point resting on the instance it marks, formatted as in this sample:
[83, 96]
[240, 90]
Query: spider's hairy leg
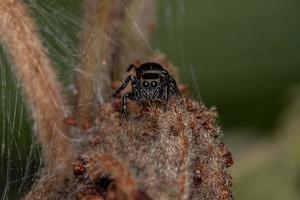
[166, 96]
[136, 93]
[167, 91]
[124, 103]
[123, 86]
[130, 67]
[173, 87]
[163, 93]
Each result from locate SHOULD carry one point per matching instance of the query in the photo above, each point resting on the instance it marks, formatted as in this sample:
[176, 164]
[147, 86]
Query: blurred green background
[244, 54]
[240, 56]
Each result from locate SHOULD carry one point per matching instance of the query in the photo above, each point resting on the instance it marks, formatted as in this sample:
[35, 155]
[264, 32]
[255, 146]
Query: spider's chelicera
[151, 83]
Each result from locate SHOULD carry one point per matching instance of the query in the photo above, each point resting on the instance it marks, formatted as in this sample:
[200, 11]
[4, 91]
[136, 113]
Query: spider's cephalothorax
[151, 83]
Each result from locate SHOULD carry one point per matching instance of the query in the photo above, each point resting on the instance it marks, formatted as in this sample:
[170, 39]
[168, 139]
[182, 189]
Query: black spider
[151, 83]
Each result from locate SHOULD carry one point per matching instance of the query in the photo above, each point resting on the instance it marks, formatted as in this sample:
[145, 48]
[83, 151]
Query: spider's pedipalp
[156, 93]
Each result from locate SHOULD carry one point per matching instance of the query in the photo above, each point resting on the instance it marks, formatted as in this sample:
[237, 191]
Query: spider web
[59, 26]
[20, 155]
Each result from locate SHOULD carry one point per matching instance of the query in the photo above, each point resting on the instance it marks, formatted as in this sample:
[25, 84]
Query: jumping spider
[151, 83]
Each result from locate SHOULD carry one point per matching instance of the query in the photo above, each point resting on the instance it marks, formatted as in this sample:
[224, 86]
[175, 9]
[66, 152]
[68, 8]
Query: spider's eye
[153, 83]
[145, 83]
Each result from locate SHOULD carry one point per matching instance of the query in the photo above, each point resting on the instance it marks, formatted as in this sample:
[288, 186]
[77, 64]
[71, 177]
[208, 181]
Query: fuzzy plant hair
[156, 154]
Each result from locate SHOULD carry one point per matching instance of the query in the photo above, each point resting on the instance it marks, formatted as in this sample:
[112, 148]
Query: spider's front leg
[123, 86]
[124, 103]
[173, 87]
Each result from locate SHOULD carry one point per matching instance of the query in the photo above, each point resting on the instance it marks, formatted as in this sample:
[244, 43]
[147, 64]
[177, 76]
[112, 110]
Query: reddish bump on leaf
[117, 104]
[70, 121]
[87, 125]
[95, 141]
[79, 168]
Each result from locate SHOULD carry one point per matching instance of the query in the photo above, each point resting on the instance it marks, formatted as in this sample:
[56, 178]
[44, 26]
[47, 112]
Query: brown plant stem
[114, 34]
[33, 69]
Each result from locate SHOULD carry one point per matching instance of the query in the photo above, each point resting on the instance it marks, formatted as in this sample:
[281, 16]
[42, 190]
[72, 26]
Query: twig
[33, 69]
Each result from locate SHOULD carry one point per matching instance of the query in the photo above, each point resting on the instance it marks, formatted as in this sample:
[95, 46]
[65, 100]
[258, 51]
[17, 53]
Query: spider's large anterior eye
[153, 83]
[145, 83]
